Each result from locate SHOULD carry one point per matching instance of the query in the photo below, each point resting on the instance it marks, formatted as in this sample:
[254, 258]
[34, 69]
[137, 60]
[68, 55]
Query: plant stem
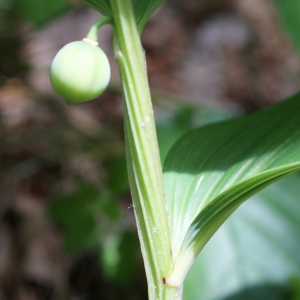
[144, 167]
[93, 32]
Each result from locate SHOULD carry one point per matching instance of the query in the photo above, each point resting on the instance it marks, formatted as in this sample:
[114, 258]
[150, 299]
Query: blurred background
[67, 229]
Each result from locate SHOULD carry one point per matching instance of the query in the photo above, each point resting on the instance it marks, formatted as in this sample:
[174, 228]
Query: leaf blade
[259, 242]
[289, 17]
[142, 9]
[225, 164]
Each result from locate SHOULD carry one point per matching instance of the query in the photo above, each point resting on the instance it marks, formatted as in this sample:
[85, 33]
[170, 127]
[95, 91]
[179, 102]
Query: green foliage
[295, 284]
[209, 172]
[289, 17]
[117, 177]
[39, 12]
[129, 250]
[258, 244]
[82, 215]
[263, 292]
[171, 127]
[121, 257]
[142, 9]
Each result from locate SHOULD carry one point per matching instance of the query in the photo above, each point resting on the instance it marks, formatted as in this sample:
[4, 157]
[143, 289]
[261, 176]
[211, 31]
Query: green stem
[145, 172]
[93, 33]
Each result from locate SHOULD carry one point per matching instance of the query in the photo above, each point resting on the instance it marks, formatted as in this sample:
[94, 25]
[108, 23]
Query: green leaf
[209, 172]
[142, 9]
[263, 292]
[295, 284]
[129, 251]
[39, 12]
[289, 17]
[258, 244]
[121, 260]
[171, 127]
[77, 215]
[117, 178]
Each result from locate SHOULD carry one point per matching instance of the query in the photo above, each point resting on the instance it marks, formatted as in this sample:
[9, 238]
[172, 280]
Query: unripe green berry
[80, 72]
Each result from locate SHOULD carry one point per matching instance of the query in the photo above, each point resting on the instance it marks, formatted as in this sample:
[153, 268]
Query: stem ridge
[143, 160]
